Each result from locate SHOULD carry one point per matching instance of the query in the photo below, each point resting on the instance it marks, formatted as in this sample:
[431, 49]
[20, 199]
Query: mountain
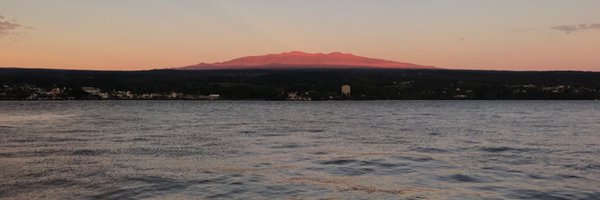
[302, 60]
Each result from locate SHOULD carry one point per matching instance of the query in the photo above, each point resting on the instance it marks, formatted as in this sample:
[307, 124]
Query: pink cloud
[572, 28]
[9, 27]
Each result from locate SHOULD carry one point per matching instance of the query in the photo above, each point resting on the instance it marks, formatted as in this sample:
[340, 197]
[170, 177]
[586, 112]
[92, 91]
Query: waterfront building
[346, 90]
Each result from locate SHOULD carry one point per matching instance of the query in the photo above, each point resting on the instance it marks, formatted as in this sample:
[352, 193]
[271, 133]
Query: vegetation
[314, 84]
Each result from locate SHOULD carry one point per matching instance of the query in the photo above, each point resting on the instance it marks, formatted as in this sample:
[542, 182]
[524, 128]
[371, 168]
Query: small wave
[566, 176]
[503, 149]
[351, 167]
[272, 134]
[78, 131]
[22, 140]
[152, 187]
[88, 152]
[338, 162]
[56, 139]
[415, 159]
[26, 186]
[6, 155]
[539, 194]
[247, 132]
[379, 163]
[35, 153]
[320, 153]
[139, 139]
[261, 165]
[287, 146]
[349, 171]
[429, 150]
[373, 190]
[583, 167]
[461, 178]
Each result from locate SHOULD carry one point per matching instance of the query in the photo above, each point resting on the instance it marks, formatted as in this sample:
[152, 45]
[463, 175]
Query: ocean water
[300, 150]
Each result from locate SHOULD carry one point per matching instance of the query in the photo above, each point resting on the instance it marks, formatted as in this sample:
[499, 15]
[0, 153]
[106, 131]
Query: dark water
[300, 150]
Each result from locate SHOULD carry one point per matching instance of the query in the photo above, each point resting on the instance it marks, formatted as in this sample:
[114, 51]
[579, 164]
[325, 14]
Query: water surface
[300, 150]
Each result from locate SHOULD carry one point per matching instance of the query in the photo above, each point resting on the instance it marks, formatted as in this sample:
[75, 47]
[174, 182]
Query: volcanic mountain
[302, 60]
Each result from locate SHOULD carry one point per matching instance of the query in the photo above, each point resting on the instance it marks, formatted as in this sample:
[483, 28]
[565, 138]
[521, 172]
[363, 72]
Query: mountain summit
[302, 60]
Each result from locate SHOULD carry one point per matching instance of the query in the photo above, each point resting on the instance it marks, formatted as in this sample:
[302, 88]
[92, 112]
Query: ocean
[299, 150]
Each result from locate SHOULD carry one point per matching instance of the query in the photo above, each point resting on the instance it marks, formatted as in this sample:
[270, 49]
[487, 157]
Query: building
[55, 92]
[174, 95]
[214, 96]
[96, 92]
[91, 90]
[346, 90]
[294, 96]
[123, 94]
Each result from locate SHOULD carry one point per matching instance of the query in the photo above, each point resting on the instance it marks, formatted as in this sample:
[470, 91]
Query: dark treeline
[322, 84]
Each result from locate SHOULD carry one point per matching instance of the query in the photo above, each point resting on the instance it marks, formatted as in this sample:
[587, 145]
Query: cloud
[9, 27]
[579, 27]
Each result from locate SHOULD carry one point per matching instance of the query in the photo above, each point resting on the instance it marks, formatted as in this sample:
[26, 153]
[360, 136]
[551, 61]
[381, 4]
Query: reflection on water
[300, 150]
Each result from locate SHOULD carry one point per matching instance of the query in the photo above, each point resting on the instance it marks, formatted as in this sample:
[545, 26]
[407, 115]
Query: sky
[150, 34]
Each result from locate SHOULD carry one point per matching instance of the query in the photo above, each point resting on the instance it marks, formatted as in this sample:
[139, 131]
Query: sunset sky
[147, 34]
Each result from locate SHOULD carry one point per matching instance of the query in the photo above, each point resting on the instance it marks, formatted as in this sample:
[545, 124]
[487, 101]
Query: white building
[91, 90]
[346, 90]
[55, 92]
[96, 92]
[214, 96]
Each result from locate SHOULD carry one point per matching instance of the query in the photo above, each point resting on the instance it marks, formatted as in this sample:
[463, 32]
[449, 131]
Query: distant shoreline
[254, 100]
[297, 85]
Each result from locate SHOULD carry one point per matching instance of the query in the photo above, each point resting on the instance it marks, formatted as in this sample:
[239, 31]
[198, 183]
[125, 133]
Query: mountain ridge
[303, 60]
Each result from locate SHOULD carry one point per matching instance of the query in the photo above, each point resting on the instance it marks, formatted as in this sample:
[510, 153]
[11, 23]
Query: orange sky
[460, 34]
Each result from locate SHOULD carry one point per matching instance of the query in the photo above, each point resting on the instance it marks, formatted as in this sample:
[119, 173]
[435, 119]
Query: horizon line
[291, 69]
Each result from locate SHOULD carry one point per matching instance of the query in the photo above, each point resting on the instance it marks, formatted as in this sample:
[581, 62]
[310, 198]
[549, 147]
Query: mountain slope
[301, 60]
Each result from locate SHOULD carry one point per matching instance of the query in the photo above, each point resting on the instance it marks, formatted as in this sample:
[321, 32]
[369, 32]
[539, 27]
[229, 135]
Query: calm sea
[300, 150]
